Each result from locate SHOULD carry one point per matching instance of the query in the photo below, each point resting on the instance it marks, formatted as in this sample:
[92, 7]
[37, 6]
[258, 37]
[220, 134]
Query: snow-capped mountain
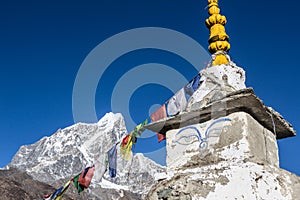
[69, 150]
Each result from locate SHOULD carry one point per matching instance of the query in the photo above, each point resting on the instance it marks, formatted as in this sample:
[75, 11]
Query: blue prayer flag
[112, 161]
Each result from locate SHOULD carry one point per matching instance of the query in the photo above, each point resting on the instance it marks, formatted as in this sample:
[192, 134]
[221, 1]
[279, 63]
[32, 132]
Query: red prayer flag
[125, 141]
[161, 113]
[160, 137]
[86, 177]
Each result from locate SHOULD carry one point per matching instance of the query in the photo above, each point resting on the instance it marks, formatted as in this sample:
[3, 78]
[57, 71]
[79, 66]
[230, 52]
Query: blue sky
[44, 43]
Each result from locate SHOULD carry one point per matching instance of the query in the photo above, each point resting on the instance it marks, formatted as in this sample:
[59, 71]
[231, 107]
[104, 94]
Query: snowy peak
[69, 150]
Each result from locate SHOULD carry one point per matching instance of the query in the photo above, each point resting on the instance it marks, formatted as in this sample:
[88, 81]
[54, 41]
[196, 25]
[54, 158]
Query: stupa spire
[218, 40]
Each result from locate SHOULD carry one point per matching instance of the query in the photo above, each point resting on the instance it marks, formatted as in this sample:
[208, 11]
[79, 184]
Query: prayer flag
[157, 115]
[177, 103]
[100, 166]
[139, 129]
[193, 85]
[57, 195]
[86, 176]
[77, 185]
[126, 146]
[112, 161]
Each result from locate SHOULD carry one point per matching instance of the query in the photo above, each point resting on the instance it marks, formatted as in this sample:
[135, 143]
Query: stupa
[223, 145]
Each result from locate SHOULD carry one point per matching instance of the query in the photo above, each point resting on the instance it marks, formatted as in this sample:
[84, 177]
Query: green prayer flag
[139, 129]
[77, 185]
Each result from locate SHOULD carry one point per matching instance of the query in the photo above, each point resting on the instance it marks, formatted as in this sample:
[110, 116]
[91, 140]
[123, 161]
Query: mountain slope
[59, 157]
[15, 185]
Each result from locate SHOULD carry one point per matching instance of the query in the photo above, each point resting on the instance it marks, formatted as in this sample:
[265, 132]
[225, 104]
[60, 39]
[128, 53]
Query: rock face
[15, 185]
[59, 157]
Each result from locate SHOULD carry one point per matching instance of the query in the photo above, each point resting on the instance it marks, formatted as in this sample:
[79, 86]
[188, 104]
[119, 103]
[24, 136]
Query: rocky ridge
[19, 185]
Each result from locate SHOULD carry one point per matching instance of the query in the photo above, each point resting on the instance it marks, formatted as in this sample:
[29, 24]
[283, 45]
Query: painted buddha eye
[191, 134]
[213, 131]
[188, 135]
[186, 139]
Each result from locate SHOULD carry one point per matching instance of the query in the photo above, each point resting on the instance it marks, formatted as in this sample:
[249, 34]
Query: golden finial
[218, 40]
